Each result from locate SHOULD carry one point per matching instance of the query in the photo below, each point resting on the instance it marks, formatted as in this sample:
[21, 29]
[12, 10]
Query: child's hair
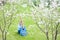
[21, 21]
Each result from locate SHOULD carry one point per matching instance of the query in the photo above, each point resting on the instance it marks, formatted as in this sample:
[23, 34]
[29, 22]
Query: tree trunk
[56, 35]
[56, 32]
[2, 35]
[5, 35]
[52, 35]
[47, 36]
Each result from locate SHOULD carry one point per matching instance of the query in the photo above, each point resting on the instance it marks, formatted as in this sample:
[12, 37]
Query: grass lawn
[33, 32]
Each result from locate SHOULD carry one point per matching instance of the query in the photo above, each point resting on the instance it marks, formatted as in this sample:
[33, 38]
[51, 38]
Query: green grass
[33, 32]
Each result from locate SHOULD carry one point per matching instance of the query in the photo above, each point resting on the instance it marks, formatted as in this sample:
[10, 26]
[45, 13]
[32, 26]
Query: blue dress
[22, 31]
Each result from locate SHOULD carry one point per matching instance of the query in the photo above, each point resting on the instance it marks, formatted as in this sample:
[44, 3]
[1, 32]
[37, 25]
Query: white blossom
[24, 5]
[41, 6]
[58, 20]
[46, 4]
[40, 22]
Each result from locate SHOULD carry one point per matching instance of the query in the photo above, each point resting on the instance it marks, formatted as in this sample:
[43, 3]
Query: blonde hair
[21, 21]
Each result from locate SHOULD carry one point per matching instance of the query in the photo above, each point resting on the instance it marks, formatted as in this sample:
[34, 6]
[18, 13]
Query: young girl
[20, 25]
[21, 28]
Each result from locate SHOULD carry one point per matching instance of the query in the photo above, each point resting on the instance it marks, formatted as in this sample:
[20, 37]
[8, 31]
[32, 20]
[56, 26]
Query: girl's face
[21, 23]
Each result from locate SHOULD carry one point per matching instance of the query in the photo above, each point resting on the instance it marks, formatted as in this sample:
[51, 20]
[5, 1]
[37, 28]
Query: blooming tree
[47, 17]
[6, 18]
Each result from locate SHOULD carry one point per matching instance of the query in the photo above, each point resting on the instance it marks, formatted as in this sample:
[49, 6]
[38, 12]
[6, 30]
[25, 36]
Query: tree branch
[0, 28]
[40, 27]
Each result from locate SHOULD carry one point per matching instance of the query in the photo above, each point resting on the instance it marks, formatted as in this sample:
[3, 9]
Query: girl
[21, 28]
